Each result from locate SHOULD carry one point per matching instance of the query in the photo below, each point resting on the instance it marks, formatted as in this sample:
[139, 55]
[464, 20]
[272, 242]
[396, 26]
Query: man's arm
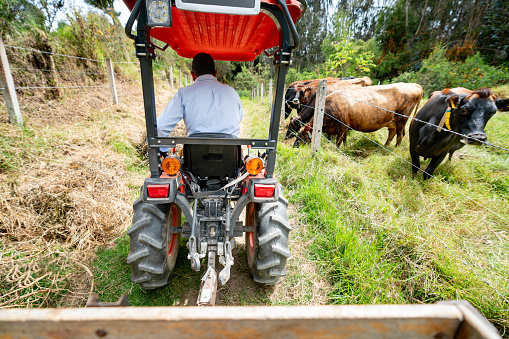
[172, 114]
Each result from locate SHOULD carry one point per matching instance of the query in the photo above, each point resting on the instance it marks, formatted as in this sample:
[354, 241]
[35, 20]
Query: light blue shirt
[207, 106]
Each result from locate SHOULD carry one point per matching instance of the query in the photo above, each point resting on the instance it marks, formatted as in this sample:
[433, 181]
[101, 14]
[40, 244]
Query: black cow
[463, 113]
[292, 99]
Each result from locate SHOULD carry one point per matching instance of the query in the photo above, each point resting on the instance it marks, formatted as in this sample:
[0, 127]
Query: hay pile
[52, 218]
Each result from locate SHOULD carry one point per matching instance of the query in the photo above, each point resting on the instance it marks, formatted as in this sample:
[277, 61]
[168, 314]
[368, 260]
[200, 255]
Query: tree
[312, 28]
[18, 13]
[107, 7]
[346, 61]
[50, 8]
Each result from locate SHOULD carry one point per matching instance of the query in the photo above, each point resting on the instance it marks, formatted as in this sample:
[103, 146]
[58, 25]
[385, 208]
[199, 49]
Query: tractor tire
[153, 249]
[267, 247]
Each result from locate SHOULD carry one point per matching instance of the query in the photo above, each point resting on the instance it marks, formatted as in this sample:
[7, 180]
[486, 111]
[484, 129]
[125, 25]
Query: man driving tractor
[207, 106]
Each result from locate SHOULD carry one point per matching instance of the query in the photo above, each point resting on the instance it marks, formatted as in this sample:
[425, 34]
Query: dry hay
[55, 214]
[52, 218]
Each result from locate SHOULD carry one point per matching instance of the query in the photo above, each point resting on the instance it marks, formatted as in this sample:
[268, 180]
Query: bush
[438, 73]
[245, 80]
[244, 93]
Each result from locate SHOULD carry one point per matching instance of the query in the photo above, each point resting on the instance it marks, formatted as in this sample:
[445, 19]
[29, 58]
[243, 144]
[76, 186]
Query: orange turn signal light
[171, 165]
[254, 165]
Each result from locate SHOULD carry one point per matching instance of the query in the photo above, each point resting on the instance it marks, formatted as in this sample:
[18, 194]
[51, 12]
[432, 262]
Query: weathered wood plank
[348, 321]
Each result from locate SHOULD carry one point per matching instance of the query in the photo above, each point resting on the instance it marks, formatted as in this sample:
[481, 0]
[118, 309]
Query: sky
[118, 5]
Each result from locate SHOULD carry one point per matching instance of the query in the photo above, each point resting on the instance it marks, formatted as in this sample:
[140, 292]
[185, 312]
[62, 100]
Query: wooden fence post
[270, 96]
[185, 78]
[258, 93]
[171, 78]
[8, 90]
[111, 75]
[321, 93]
[54, 80]
[180, 78]
[261, 93]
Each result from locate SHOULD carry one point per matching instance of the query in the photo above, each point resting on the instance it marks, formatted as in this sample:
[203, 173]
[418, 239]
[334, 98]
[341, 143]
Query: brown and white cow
[299, 92]
[365, 109]
[293, 93]
[459, 110]
[308, 91]
[305, 93]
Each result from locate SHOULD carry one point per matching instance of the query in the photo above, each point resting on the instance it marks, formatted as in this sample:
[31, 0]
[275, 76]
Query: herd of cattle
[449, 120]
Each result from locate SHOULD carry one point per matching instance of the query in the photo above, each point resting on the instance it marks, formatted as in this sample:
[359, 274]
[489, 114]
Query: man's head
[203, 64]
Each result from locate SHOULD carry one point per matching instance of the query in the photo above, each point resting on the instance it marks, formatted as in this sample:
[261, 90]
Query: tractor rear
[213, 178]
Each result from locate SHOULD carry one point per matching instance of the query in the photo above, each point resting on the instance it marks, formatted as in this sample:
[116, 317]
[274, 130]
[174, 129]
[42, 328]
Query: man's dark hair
[203, 64]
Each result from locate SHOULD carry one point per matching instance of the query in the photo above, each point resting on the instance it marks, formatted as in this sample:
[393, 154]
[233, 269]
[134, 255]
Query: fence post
[112, 81]
[180, 78]
[171, 78]
[54, 75]
[321, 92]
[185, 78]
[8, 90]
[258, 93]
[270, 96]
[261, 93]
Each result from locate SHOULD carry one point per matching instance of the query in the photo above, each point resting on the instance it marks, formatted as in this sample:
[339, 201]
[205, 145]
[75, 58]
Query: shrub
[438, 73]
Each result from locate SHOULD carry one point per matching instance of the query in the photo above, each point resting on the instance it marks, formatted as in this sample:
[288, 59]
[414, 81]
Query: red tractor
[210, 182]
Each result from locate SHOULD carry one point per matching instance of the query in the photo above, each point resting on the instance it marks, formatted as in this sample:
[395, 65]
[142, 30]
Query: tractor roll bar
[134, 14]
[289, 21]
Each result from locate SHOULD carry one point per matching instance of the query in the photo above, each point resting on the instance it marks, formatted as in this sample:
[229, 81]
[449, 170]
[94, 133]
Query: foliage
[294, 75]
[312, 28]
[493, 38]
[18, 14]
[345, 61]
[438, 73]
[245, 80]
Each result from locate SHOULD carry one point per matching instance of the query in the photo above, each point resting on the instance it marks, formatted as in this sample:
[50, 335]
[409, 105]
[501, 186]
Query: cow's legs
[435, 161]
[341, 135]
[392, 133]
[416, 161]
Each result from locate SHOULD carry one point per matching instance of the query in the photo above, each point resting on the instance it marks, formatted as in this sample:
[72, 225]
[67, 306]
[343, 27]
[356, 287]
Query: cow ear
[503, 105]
[453, 101]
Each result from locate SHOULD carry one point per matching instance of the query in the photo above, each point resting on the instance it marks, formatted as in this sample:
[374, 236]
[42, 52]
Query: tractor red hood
[223, 36]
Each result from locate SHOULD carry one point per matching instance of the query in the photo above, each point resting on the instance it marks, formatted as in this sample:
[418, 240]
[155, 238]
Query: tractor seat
[212, 162]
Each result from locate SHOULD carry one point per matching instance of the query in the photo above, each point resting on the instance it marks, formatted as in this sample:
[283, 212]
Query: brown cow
[309, 89]
[355, 109]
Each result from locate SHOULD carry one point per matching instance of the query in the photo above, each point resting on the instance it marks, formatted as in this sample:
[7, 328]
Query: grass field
[365, 230]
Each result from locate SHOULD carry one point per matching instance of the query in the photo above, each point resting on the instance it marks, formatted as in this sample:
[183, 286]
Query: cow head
[503, 105]
[304, 135]
[289, 105]
[293, 127]
[470, 113]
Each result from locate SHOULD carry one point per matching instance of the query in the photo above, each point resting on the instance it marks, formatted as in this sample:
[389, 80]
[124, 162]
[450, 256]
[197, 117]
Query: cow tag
[445, 120]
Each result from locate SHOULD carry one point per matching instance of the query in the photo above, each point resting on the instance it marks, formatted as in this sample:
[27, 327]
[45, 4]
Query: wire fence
[407, 117]
[469, 266]
[52, 79]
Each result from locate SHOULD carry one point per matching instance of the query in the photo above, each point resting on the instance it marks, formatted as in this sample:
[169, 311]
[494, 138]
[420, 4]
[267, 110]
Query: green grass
[112, 277]
[381, 233]
[358, 212]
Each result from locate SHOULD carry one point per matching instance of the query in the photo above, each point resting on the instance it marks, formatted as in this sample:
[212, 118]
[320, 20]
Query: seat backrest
[212, 161]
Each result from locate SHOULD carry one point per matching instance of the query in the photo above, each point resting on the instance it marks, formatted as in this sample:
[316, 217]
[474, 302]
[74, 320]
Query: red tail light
[264, 191]
[158, 191]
